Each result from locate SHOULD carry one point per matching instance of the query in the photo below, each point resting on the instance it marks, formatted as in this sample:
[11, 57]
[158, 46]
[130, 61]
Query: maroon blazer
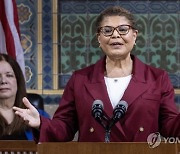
[151, 107]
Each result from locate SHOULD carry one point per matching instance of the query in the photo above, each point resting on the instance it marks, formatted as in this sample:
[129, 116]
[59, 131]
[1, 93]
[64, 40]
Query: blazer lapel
[137, 85]
[134, 90]
[131, 93]
[98, 92]
[97, 88]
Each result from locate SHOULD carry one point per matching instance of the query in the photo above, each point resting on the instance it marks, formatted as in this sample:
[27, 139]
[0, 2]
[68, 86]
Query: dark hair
[17, 124]
[115, 11]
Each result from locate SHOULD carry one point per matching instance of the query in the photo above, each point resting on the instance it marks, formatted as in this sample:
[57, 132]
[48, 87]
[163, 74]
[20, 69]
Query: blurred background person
[12, 90]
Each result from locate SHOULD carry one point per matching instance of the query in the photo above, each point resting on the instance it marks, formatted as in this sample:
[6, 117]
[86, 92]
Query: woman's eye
[123, 29]
[10, 75]
[107, 30]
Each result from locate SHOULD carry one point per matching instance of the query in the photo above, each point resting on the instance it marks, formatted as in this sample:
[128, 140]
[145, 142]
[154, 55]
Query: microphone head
[97, 109]
[120, 109]
[97, 103]
[124, 104]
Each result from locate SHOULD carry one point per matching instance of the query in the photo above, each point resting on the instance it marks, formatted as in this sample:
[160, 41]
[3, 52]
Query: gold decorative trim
[46, 92]
[177, 91]
[39, 42]
[55, 44]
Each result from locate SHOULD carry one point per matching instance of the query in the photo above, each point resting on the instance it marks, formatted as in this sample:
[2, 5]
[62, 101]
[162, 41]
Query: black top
[15, 136]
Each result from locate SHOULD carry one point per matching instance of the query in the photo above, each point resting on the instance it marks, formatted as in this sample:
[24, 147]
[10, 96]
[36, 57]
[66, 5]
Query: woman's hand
[30, 115]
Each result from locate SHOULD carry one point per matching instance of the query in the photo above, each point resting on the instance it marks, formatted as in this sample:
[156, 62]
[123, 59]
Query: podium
[17, 147]
[30, 147]
[105, 148]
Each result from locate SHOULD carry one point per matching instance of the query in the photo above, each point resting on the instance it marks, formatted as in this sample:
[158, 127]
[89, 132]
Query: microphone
[97, 112]
[119, 111]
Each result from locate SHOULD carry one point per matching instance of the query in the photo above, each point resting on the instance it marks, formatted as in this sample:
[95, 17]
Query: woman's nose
[116, 34]
[3, 80]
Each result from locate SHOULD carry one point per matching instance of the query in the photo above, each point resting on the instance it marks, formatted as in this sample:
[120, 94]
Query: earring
[135, 43]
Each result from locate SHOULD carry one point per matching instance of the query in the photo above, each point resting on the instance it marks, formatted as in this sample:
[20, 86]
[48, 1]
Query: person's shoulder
[148, 68]
[85, 70]
[155, 72]
[89, 69]
[82, 74]
[155, 69]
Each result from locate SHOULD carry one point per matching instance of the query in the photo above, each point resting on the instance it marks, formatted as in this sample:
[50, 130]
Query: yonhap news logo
[154, 139]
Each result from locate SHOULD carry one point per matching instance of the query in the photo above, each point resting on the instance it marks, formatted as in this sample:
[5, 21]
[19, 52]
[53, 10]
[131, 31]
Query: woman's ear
[99, 42]
[135, 33]
[98, 38]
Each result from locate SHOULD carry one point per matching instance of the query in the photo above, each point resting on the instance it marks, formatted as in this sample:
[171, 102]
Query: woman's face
[8, 82]
[117, 46]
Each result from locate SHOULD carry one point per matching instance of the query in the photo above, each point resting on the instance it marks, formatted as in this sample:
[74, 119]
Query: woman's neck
[6, 109]
[118, 68]
[7, 103]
